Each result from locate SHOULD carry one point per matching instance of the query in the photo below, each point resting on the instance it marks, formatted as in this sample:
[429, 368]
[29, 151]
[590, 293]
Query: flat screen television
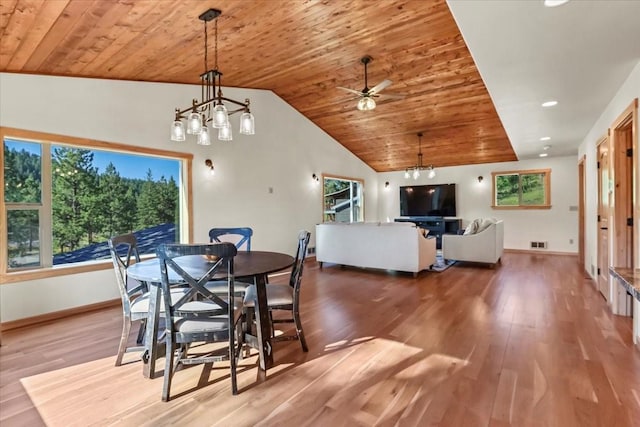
[428, 200]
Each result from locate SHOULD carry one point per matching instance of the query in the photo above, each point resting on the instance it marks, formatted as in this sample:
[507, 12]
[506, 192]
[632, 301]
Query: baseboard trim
[55, 315]
[538, 252]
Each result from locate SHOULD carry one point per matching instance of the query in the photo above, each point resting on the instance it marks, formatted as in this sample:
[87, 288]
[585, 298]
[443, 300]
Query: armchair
[486, 246]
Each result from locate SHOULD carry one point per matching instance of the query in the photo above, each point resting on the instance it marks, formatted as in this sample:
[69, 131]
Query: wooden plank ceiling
[300, 49]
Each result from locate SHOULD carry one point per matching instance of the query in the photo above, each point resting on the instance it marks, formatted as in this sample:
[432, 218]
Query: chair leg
[141, 331]
[122, 348]
[273, 329]
[168, 367]
[233, 360]
[299, 331]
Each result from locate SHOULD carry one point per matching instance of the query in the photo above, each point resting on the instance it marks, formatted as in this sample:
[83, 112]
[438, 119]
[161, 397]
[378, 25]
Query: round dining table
[252, 266]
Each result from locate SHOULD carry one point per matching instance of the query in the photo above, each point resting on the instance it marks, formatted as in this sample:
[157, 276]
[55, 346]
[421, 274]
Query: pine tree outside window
[63, 201]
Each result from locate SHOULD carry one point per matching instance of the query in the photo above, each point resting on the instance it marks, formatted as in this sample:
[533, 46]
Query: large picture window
[64, 198]
[342, 199]
[526, 189]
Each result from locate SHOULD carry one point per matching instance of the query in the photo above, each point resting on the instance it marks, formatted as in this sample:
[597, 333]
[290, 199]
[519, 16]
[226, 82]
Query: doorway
[604, 202]
[581, 214]
[622, 237]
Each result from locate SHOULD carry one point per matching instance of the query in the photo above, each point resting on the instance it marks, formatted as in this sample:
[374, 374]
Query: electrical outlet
[571, 241]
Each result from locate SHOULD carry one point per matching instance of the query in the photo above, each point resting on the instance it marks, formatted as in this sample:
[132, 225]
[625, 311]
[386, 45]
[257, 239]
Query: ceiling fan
[366, 95]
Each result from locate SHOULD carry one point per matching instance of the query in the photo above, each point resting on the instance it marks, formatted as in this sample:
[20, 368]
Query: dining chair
[124, 251]
[240, 236]
[133, 294]
[286, 297]
[200, 316]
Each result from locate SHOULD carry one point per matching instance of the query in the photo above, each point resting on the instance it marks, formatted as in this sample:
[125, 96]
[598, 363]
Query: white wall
[629, 90]
[557, 226]
[286, 150]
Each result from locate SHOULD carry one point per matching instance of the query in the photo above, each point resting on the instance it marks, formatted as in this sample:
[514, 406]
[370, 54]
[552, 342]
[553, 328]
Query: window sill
[59, 270]
[520, 207]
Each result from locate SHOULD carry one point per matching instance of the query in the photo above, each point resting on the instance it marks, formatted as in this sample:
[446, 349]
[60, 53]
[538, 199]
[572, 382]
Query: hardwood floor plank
[529, 343]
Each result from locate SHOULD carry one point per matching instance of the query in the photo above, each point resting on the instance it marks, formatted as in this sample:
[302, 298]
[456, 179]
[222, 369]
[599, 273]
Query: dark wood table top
[245, 264]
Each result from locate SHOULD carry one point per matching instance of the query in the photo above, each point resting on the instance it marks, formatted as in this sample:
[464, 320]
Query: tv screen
[428, 200]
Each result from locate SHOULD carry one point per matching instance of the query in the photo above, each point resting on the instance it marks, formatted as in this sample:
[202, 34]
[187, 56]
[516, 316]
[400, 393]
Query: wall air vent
[538, 245]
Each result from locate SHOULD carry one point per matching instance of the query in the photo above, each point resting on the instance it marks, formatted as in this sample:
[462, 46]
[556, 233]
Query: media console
[436, 225]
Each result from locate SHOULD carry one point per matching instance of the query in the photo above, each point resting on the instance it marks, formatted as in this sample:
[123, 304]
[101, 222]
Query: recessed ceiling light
[554, 3]
[550, 103]
[546, 147]
[545, 138]
[543, 154]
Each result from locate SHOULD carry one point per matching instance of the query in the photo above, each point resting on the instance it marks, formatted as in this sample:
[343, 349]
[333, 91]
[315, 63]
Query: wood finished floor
[531, 343]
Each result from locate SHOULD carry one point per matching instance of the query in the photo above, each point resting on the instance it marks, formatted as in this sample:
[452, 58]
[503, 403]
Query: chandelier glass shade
[211, 111]
[415, 171]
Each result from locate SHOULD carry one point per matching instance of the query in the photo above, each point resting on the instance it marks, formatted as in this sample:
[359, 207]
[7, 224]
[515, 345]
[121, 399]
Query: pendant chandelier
[414, 171]
[210, 112]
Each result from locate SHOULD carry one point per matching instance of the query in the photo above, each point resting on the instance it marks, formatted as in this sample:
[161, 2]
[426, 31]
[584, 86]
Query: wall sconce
[208, 163]
[386, 185]
[480, 178]
[315, 178]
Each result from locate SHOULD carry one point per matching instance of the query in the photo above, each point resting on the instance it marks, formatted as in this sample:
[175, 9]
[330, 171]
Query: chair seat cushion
[212, 324]
[219, 287]
[141, 303]
[276, 295]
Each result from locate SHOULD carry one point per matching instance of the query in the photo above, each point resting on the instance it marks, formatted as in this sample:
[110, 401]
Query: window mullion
[46, 229]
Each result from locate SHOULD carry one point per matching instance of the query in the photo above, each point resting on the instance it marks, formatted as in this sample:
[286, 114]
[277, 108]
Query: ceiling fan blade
[380, 86]
[350, 90]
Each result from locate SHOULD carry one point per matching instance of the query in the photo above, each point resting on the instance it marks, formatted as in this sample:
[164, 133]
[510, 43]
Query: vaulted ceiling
[304, 49]
[301, 50]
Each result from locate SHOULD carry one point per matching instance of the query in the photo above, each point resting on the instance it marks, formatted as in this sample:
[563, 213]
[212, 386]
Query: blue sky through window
[128, 165]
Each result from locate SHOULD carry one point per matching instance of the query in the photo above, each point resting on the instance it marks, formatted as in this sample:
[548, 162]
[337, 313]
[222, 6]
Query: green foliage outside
[334, 193]
[87, 207]
[520, 190]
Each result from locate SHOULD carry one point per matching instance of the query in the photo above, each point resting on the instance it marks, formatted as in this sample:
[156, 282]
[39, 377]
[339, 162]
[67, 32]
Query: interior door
[604, 199]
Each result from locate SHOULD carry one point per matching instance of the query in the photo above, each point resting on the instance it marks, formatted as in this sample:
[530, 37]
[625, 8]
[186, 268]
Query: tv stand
[436, 225]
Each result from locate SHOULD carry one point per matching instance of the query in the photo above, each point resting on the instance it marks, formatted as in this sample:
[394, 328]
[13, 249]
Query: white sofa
[397, 246]
[485, 246]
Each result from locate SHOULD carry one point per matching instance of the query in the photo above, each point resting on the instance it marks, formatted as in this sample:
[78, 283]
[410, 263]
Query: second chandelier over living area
[211, 112]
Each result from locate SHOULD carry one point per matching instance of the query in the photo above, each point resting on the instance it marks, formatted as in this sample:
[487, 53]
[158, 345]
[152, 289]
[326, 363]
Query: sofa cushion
[472, 228]
[485, 223]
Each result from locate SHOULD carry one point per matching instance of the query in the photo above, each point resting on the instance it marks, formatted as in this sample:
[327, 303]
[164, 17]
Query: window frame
[546, 182]
[342, 178]
[49, 139]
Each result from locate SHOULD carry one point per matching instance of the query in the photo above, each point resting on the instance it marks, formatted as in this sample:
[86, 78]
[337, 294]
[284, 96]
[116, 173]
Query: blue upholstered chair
[239, 236]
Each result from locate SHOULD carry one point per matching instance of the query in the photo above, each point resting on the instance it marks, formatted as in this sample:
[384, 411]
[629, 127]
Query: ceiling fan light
[554, 3]
[177, 131]
[366, 103]
[194, 123]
